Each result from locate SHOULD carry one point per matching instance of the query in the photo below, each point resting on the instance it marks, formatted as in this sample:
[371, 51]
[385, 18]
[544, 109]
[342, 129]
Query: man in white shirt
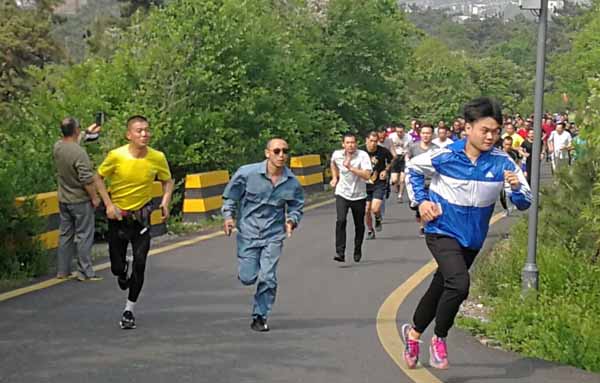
[559, 144]
[443, 138]
[398, 143]
[350, 170]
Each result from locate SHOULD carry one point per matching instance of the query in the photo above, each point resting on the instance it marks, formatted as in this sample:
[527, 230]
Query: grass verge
[559, 323]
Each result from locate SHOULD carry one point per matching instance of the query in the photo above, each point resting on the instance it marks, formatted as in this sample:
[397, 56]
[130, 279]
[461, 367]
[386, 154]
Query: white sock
[129, 306]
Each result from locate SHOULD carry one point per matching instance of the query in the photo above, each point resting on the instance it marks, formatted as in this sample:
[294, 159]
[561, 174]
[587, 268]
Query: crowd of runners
[450, 174]
[453, 177]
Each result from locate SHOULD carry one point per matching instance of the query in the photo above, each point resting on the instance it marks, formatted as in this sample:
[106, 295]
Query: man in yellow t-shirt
[132, 169]
[509, 131]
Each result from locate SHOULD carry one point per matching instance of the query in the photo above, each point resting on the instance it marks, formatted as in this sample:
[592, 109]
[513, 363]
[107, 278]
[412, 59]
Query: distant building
[25, 3]
[460, 19]
[68, 7]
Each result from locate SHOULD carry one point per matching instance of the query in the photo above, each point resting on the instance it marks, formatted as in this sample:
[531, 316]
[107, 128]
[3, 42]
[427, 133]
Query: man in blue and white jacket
[466, 179]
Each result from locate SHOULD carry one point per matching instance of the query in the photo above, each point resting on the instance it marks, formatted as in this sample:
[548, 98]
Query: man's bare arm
[111, 212]
[168, 187]
[335, 174]
[90, 188]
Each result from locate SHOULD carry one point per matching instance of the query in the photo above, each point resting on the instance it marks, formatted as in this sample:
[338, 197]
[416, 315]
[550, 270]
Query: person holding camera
[77, 200]
[267, 201]
[132, 169]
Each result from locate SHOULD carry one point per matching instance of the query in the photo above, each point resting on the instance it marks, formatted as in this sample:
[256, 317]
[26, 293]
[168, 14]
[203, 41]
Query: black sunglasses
[278, 151]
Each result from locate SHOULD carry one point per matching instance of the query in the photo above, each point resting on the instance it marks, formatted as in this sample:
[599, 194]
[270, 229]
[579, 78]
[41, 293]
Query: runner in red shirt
[524, 128]
[547, 129]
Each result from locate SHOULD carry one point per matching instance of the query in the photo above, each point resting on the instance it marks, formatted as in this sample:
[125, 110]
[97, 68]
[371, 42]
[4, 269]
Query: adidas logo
[489, 175]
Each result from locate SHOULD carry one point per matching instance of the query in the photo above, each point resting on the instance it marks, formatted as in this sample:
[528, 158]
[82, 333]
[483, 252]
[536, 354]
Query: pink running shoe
[438, 353]
[411, 350]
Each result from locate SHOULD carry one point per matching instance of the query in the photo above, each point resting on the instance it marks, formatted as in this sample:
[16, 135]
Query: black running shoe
[339, 258]
[127, 321]
[357, 257]
[370, 234]
[378, 224]
[123, 282]
[259, 324]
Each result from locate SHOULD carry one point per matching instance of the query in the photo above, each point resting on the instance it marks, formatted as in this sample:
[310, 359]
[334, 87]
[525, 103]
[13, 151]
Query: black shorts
[376, 191]
[398, 165]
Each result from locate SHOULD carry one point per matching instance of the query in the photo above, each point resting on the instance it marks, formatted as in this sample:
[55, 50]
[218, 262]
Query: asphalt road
[193, 319]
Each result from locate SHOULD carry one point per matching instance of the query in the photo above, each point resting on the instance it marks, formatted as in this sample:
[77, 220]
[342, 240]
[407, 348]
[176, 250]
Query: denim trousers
[257, 262]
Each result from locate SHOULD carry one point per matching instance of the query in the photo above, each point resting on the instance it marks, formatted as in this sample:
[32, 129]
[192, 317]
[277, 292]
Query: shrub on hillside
[560, 323]
[21, 255]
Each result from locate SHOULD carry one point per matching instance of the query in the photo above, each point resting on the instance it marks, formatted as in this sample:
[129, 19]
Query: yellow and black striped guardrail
[48, 208]
[204, 195]
[326, 175]
[157, 227]
[309, 172]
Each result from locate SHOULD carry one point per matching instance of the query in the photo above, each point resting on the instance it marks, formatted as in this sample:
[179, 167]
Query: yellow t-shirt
[517, 140]
[131, 178]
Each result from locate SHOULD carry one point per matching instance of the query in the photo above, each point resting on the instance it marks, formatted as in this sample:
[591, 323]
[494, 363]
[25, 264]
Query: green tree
[129, 7]
[364, 61]
[517, 43]
[24, 41]
[571, 70]
[502, 79]
[215, 79]
[440, 83]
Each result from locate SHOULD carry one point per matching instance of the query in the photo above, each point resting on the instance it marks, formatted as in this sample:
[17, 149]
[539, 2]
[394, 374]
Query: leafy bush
[21, 255]
[560, 325]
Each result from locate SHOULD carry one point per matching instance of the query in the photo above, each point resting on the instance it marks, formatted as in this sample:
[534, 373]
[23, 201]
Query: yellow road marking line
[103, 266]
[387, 327]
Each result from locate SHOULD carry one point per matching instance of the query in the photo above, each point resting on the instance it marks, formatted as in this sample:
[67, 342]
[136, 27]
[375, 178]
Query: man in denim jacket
[268, 201]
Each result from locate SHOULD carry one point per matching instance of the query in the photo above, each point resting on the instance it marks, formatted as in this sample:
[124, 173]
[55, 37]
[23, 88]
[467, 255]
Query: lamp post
[530, 273]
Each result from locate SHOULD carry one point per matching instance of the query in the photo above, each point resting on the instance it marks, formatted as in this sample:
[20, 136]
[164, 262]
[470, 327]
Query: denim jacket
[260, 207]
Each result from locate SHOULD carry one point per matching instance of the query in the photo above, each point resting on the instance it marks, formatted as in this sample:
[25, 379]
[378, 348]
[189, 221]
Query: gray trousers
[76, 237]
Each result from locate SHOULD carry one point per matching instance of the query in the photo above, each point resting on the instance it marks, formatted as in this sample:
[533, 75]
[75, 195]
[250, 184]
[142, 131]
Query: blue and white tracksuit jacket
[466, 191]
